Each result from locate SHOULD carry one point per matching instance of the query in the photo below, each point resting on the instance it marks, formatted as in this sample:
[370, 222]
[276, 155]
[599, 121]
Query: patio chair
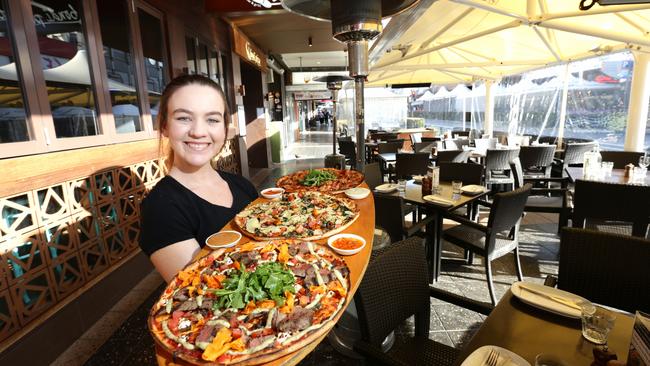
[430, 139]
[537, 160]
[398, 142]
[573, 156]
[389, 147]
[457, 134]
[453, 156]
[498, 238]
[549, 200]
[622, 158]
[423, 146]
[389, 215]
[611, 207]
[349, 149]
[455, 144]
[393, 289]
[410, 164]
[389, 136]
[482, 145]
[373, 174]
[416, 138]
[497, 166]
[605, 268]
[468, 173]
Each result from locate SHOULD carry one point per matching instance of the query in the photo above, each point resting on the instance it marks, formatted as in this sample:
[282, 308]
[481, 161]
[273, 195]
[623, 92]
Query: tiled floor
[121, 337]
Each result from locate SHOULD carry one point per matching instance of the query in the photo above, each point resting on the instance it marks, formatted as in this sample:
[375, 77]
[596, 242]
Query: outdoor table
[364, 226]
[390, 158]
[617, 176]
[413, 194]
[528, 331]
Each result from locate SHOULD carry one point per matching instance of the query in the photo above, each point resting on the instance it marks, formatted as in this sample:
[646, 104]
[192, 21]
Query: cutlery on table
[570, 303]
[493, 358]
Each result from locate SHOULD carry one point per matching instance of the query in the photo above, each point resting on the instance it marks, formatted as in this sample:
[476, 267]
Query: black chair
[423, 146]
[431, 139]
[497, 166]
[605, 268]
[611, 207]
[389, 147]
[410, 164]
[393, 289]
[467, 173]
[537, 160]
[573, 156]
[389, 215]
[621, 158]
[457, 134]
[455, 144]
[548, 200]
[452, 156]
[389, 136]
[344, 138]
[398, 142]
[349, 149]
[499, 237]
[374, 176]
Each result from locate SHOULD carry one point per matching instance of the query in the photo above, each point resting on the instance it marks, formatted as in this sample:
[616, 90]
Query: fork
[492, 359]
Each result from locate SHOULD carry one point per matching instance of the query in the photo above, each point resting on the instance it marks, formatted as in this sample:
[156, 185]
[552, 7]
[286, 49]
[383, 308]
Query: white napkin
[438, 200]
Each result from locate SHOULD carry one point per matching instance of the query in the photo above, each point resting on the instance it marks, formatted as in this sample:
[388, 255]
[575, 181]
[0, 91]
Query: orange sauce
[347, 243]
[272, 191]
[222, 238]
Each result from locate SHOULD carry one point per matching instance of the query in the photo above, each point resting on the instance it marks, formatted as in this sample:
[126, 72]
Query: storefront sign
[44, 15]
[247, 49]
[310, 95]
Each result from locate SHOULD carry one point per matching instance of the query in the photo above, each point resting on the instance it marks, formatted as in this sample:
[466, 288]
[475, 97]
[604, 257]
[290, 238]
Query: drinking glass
[401, 185]
[644, 161]
[456, 185]
[607, 167]
[596, 323]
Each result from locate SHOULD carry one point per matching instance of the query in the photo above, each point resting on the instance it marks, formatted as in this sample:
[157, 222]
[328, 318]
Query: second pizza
[304, 215]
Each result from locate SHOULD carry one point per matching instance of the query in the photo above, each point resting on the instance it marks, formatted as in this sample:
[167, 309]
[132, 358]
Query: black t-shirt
[172, 213]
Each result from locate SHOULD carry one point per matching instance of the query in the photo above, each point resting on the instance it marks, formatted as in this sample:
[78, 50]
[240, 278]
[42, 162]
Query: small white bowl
[357, 193]
[231, 242]
[333, 238]
[272, 193]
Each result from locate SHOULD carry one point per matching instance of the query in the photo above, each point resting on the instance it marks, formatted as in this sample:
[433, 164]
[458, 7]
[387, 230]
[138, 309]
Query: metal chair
[605, 268]
[610, 207]
[499, 237]
[537, 160]
[453, 156]
[399, 272]
[621, 158]
[409, 164]
[497, 166]
[349, 149]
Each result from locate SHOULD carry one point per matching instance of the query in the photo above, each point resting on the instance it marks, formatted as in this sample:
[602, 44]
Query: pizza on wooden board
[251, 305]
[302, 215]
[326, 180]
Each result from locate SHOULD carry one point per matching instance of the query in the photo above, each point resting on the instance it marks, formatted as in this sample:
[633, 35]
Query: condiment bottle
[426, 185]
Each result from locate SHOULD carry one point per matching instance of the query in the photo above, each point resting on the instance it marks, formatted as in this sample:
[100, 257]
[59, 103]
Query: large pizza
[327, 180]
[250, 305]
[302, 215]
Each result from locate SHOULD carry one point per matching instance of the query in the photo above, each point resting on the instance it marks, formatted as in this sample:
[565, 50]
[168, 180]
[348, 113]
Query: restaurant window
[215, 73]
[64, 59]
[119, 66]
[191, 55]
[153, 49]
[13, 119]
[203, 59]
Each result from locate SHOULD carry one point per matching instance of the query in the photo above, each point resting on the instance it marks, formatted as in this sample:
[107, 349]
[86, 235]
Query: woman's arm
[172, 258]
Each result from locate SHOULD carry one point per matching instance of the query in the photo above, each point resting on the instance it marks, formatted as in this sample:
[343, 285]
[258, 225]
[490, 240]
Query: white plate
[272, 193]
[357, 193]
[472, 189]
[385, 188]
[438, 200]
[519, 290]
[345, 251]
[506, 357]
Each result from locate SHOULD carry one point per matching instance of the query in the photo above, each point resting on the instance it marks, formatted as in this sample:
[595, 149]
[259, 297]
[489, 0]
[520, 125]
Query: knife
[554, 298]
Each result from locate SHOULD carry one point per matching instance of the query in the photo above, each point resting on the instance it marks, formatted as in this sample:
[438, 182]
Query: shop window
[13, 119]
[64, 59]
[191, 55]
[203, 59]
[119, 66]
[153, 49]
[215, 73]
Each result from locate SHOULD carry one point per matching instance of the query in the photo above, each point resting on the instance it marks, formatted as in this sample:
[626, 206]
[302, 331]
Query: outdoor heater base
[336, 161]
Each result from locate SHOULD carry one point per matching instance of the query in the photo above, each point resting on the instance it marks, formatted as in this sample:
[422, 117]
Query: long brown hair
[163, 113]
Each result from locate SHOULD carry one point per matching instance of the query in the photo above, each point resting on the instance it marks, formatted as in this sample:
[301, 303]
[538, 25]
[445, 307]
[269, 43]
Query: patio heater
[354, 23]
[334, 84]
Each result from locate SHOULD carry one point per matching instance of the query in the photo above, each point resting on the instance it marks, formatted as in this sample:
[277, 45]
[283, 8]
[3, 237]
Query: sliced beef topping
[181, 295]
[303, 248]
[206, 334]
[299, 319]
[310, 277]
[249, 257]
[326, 275]
[300, 270]
[293, 250]
[278, 318]
[188, 305]
[207, 304]
[343, 270]
[254, 342]
[235, 256]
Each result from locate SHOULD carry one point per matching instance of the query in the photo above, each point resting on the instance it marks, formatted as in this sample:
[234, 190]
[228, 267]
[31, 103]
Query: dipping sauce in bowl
[223, 239]
[346, 244]
[272, 193]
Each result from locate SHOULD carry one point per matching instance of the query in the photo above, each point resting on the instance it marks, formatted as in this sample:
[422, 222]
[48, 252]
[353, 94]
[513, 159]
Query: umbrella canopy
[460, 41]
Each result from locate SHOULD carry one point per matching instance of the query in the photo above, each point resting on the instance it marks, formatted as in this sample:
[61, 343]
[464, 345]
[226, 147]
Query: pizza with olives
[326, 180]
[299, 215]
[251, 305]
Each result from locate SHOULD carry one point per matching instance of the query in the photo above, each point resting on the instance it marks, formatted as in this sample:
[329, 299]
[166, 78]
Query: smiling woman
[193, 200]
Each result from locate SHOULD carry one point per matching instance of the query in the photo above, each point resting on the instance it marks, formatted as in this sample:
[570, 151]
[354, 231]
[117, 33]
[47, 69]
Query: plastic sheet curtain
[385, 108]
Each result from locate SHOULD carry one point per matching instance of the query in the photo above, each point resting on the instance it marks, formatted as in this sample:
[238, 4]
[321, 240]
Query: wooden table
[617, 176]
[364, 226]
[413, 194]
[528, 331]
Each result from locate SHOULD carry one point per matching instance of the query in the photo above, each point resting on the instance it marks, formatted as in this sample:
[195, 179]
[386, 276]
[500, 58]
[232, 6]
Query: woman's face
[195, 125]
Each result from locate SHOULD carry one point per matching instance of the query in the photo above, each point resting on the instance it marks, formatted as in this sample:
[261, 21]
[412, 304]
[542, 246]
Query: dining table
[363, 226]
[529, 331]
[616, 176]
[413, 194]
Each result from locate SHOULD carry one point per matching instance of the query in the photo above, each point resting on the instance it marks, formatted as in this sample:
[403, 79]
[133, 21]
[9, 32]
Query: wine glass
[644, 161]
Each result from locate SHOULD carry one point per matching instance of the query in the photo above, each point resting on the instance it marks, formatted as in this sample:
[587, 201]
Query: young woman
[193, 200]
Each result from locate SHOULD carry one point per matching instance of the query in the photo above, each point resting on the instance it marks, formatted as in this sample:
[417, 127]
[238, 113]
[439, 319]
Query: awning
[461, 41]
